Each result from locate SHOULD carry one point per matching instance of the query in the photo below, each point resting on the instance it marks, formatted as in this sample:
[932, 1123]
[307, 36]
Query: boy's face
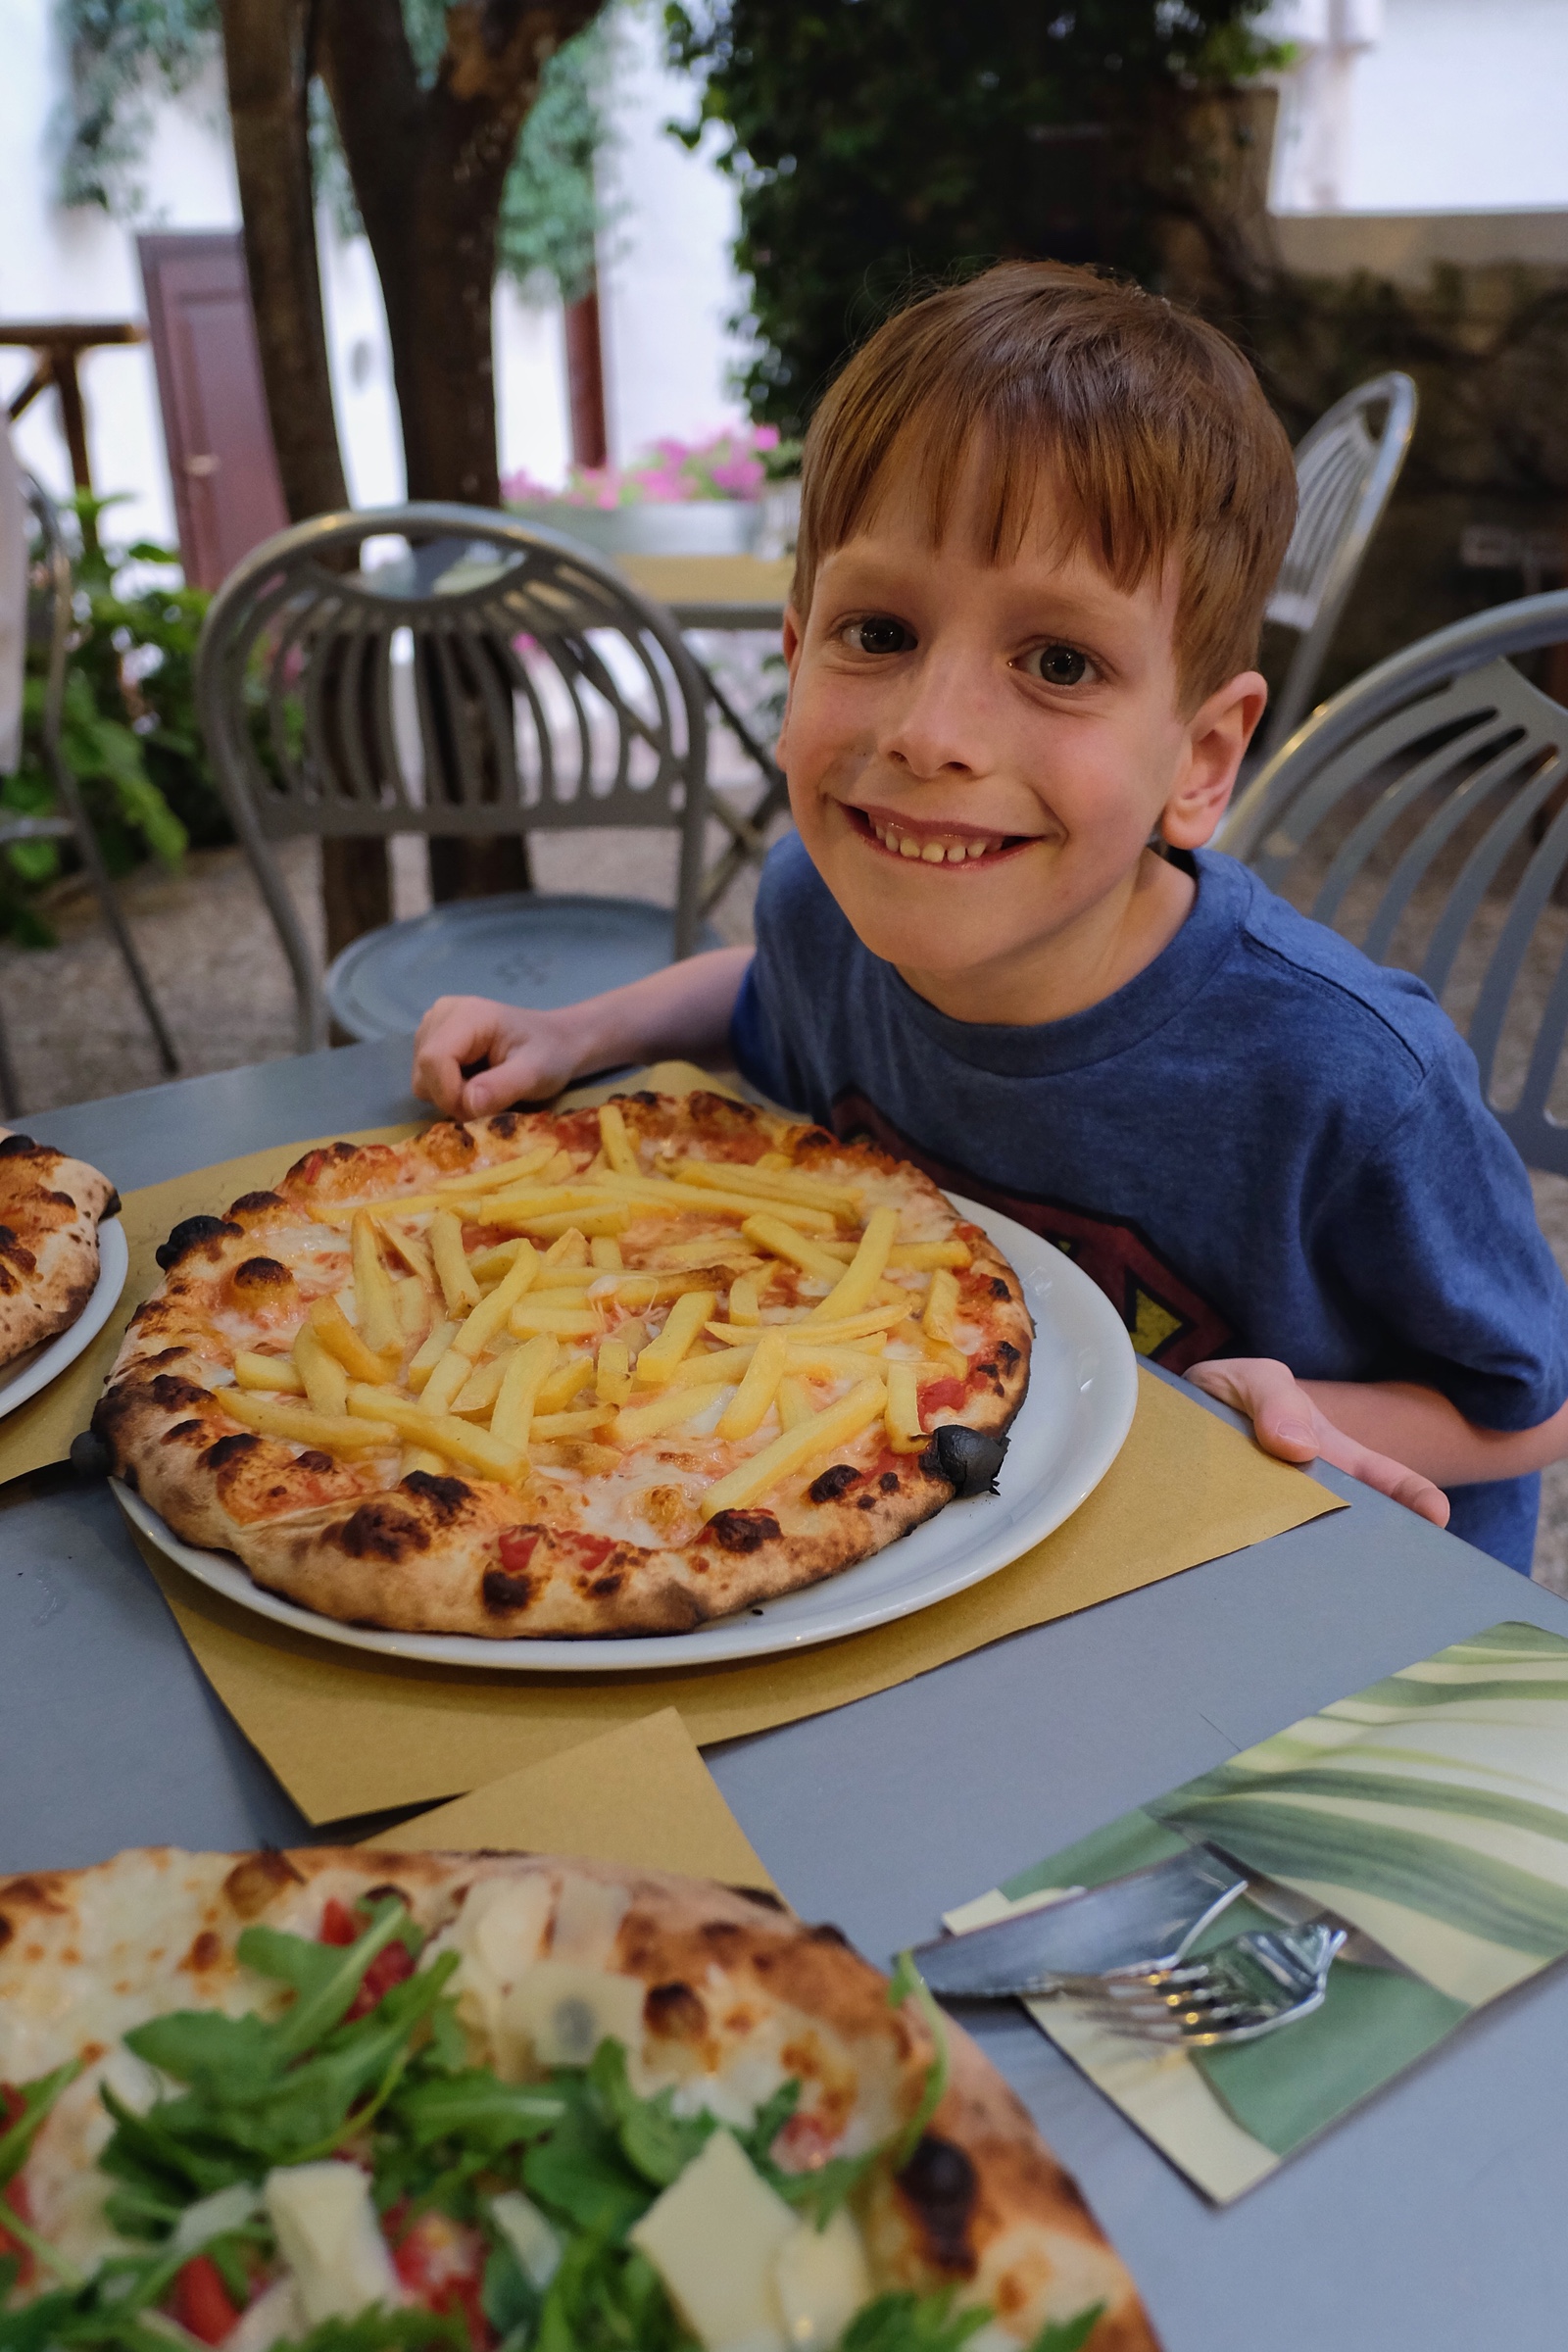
[977, 754]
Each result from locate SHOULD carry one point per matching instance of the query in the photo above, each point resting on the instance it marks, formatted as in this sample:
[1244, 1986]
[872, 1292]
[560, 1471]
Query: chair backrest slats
[1414, 801]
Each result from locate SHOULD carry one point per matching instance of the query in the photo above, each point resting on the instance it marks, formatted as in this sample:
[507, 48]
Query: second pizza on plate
[569, 1373]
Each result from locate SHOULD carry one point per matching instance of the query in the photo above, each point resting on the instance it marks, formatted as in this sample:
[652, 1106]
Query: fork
[1242, 1990]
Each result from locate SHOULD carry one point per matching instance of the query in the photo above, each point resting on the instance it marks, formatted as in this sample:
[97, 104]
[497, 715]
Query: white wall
[1403, 106]
[668, 286]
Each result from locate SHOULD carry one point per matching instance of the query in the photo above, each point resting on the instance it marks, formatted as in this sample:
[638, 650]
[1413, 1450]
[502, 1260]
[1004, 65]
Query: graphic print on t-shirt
[1167, 1320]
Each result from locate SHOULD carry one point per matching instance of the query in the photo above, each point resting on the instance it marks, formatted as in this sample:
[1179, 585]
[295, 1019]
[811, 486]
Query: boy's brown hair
[1150, 425]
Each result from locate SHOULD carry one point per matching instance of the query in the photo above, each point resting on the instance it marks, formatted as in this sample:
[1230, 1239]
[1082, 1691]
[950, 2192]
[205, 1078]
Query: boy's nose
[941, 727]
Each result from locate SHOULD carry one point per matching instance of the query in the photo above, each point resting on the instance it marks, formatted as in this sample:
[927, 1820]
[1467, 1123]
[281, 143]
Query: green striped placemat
[1429, 1810]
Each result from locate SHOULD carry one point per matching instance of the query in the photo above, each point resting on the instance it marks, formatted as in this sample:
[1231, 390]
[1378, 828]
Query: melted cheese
[530, 2236]
[714, 2237]
[821, 2278]
[557, 2013]
[329, 2237]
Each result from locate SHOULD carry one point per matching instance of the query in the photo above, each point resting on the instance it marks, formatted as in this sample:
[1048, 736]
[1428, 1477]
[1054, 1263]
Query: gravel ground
[76, 1031]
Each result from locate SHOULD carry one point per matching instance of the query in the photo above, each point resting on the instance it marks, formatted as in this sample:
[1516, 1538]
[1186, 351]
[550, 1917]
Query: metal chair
[491, 677]
[1424, 812]
[50, 617]
[1344, 478]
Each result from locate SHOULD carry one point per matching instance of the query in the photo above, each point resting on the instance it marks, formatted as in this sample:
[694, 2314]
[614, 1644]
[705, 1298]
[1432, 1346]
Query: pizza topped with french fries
[569, 1372]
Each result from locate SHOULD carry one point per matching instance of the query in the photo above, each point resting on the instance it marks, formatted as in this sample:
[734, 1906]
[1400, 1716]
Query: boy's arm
[1405, 1440]
[529, 1055]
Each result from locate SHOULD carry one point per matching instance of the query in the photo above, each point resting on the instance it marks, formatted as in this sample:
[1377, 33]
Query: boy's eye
[880, 634]
[1059, 664]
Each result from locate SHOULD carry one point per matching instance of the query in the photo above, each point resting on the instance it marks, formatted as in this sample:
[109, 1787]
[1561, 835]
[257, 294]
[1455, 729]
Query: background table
[1428, 2222]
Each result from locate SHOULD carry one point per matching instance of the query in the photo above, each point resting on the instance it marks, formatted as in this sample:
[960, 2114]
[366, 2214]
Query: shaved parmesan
[821, 2278]
[530, 2236]
[272, 2317]
[714, 2237]
[328, 2234]
[561, 2012]
[211, 2217]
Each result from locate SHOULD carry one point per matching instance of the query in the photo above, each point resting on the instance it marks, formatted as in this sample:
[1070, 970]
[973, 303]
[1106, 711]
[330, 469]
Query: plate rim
[745, 1641]
[62, 1351]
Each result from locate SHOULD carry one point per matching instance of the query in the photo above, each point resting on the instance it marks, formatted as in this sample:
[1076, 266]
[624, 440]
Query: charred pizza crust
[351, 1539]
[982, 2207]
[50, 1210]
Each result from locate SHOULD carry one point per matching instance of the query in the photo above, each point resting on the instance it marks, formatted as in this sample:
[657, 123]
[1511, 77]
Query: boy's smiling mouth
[931, 844]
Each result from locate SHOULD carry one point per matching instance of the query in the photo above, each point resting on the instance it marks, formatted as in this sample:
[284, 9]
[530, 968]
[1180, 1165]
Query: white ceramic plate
[1083, 1385]
[40, 1365]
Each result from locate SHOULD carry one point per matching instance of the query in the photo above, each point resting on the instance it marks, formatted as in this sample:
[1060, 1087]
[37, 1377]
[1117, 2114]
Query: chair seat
[525, 947]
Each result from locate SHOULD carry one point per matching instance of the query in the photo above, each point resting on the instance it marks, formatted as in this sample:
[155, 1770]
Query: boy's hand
[1288, 1424]
[530, 1055]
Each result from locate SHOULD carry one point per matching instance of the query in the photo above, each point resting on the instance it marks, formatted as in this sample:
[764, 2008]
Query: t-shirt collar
[1152, 996]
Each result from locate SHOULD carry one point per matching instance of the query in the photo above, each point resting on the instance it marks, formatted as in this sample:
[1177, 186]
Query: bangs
[1145, 425]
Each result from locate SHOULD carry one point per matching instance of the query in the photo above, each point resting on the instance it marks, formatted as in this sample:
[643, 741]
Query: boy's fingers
[1284, 1418]
[523, 1077]
[1385, 1476]
[456, 1031]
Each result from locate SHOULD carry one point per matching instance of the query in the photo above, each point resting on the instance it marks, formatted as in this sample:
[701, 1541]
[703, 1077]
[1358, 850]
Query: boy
[1041, 515]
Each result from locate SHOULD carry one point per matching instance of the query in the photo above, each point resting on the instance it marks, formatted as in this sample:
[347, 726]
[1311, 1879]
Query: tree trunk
[267, 57]
[428, 166]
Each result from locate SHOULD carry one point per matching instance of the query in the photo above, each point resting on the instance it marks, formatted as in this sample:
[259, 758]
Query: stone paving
[77, 1032]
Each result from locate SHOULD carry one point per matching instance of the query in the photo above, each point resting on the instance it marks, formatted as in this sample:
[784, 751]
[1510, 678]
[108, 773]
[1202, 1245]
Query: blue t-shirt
[1263, 1145]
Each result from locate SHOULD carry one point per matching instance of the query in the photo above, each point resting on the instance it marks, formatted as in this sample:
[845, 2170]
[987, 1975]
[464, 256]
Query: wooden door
[227, 496]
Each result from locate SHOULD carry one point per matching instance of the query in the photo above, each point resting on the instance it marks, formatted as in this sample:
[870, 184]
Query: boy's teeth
[931, 853]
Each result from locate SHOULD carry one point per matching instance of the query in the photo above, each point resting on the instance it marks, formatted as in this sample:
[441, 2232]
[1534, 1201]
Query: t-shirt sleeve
[1435, 1232]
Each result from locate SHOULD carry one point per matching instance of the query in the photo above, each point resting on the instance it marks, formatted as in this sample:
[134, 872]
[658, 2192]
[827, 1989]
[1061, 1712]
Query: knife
[1144, 1920]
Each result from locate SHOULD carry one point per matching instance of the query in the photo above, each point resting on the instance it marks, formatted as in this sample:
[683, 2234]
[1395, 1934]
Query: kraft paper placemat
[39, 1433]
[1430, 1811]
[640, 1794]
[348, 1733]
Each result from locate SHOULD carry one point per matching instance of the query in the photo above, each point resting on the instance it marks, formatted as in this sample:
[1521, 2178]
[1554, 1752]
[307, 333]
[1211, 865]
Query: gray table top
[1427, 2221]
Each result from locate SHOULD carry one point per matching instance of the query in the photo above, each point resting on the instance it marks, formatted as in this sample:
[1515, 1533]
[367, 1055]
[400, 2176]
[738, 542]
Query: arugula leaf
[769, 2121]
[605, 2298]
[37, 2098]
[905, 2322]
[378, 2330]
[475, 2106]
[1067, 2335]
[326, 1976]
[509, 2298]
[654, 2140]
[581, 2173]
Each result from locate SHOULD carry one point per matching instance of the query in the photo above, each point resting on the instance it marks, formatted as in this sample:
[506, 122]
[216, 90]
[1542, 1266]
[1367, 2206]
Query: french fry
[845, 1328]
[419, 1457]
[446, 1382]
[407, 1205]
[275, 1372]
[329, 1433]
[902, 1414]
[782, 1240]
[489, 1265]
[479, 1327]
[706, 1371]
[497, 1177]
[565, 1384]
[527, 1372]
[566, 1322]
[429, 1353]
[617, 1143]
[745, 1301]
[514, 1208]
[605, 1253]
[410, 1246]
[794, 1405]
[591, 1223]
[924, 1257]
[413, 1306]
[656, 1191]
[612, 1373]
[774, 1160]
[855, 1286]
[569, 1249]
[804, 1192]
[443, 1434]
[685, 1320]
[326, 1383]
[809, 1362]
[338, 1336]
[836, 1425]
[549, 1426]
[453, 1271]
[482, 1387]
[379, 1327]
[636, 1422]
[941, 1300]
[753, 1400]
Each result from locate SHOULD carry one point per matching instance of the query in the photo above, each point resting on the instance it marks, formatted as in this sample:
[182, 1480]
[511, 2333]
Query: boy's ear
[792, 639]
[1217, 735]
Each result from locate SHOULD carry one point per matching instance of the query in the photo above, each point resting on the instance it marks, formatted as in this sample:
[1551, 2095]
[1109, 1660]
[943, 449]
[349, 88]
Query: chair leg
[114, 914]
